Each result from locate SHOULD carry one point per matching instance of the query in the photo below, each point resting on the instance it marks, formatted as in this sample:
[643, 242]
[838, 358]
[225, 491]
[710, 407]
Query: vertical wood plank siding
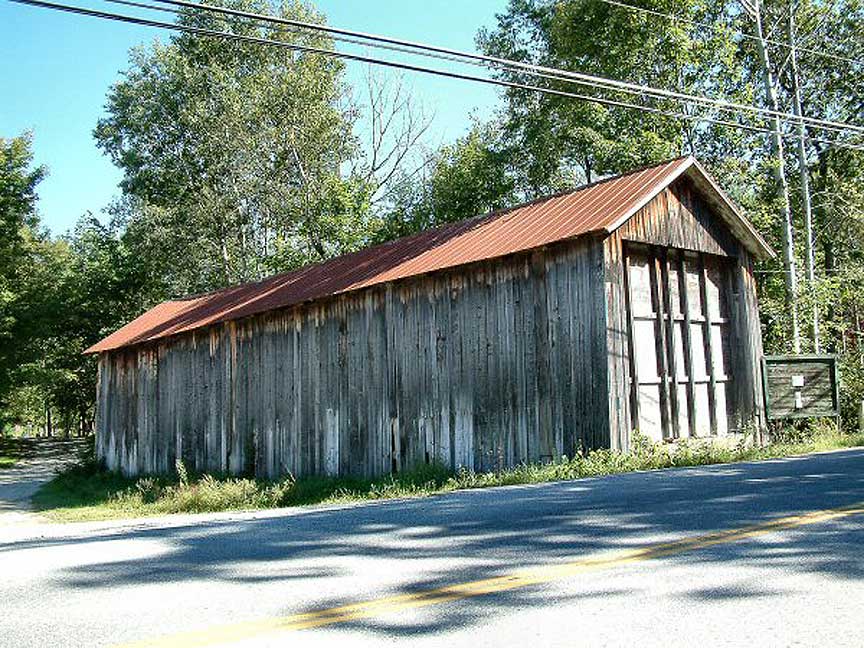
[678, 218]
[517, 359]
[484, 367]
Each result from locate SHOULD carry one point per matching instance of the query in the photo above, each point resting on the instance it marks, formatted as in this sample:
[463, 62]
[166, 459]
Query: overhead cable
[593, 80]
[742, 34]
[399, 65]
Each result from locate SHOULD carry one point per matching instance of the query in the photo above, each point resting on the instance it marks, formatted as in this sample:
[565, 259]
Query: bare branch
[396, 125]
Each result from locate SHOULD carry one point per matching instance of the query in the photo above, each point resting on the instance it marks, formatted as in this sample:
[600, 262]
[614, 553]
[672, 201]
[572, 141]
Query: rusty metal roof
[600, 207]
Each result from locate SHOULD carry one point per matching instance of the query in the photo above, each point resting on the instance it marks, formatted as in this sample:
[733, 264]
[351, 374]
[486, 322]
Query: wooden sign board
[802, 386]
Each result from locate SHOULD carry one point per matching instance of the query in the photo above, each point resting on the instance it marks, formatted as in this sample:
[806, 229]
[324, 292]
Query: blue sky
[56, 68]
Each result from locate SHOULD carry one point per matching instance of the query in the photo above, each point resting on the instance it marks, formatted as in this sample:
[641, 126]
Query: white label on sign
[799, 402]
[797, 381]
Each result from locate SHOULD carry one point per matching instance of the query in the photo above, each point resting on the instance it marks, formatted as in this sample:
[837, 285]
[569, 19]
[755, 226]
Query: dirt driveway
[19, 483]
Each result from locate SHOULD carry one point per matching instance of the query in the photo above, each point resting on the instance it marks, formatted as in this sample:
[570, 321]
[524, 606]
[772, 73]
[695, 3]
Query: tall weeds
[87, 491]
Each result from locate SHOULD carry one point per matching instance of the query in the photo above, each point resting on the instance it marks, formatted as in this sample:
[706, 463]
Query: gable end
[679, 217]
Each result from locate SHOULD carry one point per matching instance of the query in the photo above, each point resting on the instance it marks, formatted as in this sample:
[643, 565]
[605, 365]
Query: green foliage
[852, 387]
[76, 290]
[18, 182]
[462, 180]
[558, 142]
[205, 494]
[87, 491]
[838, 192]
[23, 252]
[233, 154]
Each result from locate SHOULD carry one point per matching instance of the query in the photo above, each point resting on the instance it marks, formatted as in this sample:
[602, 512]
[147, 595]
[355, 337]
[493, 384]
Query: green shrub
[851, 369]
[87, 491]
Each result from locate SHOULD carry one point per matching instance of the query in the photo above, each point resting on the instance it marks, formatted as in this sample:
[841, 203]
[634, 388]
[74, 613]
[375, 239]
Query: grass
[11, 450]
[86, 492]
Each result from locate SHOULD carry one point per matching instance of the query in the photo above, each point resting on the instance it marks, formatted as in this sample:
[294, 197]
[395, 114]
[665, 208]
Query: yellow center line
[230, 633]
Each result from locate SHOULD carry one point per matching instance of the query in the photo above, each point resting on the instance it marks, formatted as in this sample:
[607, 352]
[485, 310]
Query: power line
[717, 28]
[408, 50]
[484, 61]
[393, 64]
[404, 66]
[395, 48]
[367, 59]
[260, 18]
[410, 47]
[296, 30]
[588, 79]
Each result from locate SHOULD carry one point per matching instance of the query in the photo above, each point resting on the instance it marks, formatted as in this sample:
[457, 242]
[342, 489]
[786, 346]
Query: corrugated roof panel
[593, 208]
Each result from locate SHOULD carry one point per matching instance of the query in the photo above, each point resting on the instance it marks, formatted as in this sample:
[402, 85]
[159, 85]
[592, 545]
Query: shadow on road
[39, 460]
[482, 534]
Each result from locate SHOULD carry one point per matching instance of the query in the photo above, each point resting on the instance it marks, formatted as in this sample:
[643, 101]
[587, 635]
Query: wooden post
[861, 417]
[672, 358]
[661, 350]
[708, 345]
[687, 341]
[631, 351]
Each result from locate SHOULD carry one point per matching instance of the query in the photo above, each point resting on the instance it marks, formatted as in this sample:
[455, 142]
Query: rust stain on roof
[598, 207]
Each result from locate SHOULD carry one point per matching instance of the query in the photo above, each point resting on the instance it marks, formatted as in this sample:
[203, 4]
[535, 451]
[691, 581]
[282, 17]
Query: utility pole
[754, 8]
[805, 180]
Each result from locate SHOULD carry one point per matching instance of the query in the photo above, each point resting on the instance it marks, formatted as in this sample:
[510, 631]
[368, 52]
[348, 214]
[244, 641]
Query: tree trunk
[829, 257]
[791, 279]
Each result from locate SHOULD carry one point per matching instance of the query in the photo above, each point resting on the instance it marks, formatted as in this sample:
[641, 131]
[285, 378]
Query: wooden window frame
[661, 261]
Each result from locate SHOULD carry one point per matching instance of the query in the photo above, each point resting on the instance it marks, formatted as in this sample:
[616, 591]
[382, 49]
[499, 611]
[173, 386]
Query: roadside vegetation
[226, 197]
[86, 491]
[12, 450]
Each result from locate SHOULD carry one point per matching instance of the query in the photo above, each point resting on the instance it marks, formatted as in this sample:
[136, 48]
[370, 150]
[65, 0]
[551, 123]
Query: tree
[392, 124]
[467, 178]
[18, 237]
[77, 289]
[828, 88]
[561, 142]
[18, 182]
[779, 167]
[101, 287]
[233, 153]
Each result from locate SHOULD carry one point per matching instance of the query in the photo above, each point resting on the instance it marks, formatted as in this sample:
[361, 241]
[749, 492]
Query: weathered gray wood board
[680, 325]
[801, 386]
[484, 368]
[712, 334]
[511, 360]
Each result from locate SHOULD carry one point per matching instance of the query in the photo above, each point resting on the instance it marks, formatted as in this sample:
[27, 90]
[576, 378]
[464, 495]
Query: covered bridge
[517, 336]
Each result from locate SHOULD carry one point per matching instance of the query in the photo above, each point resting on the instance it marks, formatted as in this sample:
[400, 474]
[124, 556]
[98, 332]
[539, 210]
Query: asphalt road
[673, 558]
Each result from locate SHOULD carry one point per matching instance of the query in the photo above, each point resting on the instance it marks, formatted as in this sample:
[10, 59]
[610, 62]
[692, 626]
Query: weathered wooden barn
[517, 336]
